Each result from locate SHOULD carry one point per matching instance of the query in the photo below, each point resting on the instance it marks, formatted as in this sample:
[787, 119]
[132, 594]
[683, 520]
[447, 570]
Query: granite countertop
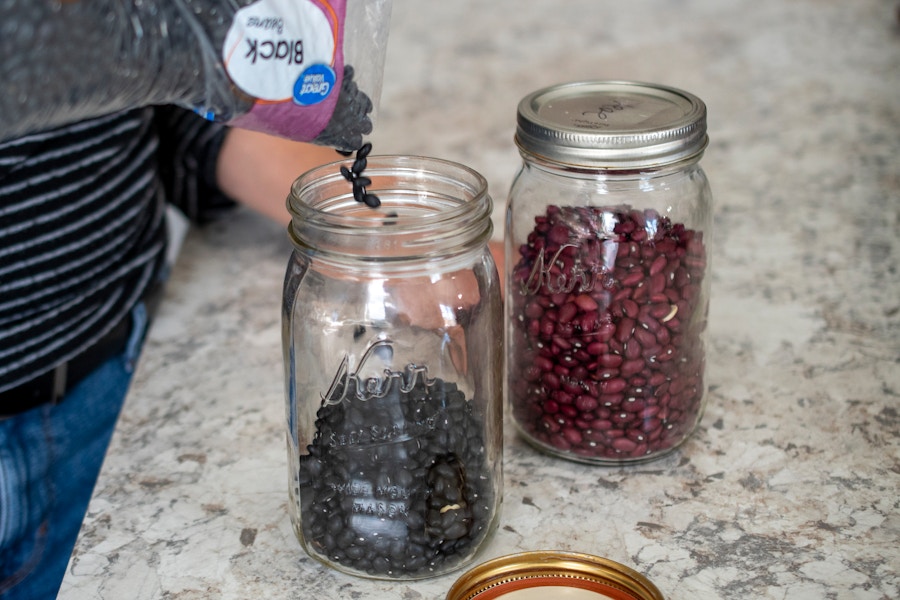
[790, 487]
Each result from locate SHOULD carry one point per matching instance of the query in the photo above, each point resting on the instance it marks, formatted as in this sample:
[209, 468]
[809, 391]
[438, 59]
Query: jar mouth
[449, 190]
[426, 204]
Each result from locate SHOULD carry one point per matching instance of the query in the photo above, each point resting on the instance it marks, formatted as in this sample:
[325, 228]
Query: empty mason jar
[393, 346]
[608, 225]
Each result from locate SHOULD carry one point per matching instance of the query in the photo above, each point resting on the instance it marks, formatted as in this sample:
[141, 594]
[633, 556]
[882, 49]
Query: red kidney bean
[558, 234]
[663, 336]
[637, 382]
[651, 324]
[586, 303]
[640, 292]
[625, 329]
[534, 310]
[606, 373]
[613, 433]
[624, 445]
[633, 350]
[532, 373]
[557, 299]
[560, 441]
[549, 423]
[601, 425]
[659, 310]
[586, 403]
[585, 359]
[608, 346]
[644, 337]
[597, 348]
[572, 387]
[572, 435]
[590, 321]
[569, 411]
[562, 397]
[550, 380]
[633, 279]
[657, 283]
[611, 400]
[543, 364]
[630, 308]
[667, 354]
[632, 367]
[567, 312]
[649, 411]
[613, 386]
[611, 360]
[634, 405]
[651, 352]
[657, 379]
[658, 264]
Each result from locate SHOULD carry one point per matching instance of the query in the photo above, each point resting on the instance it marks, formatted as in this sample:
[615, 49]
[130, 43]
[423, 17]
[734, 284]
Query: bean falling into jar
[607, 240]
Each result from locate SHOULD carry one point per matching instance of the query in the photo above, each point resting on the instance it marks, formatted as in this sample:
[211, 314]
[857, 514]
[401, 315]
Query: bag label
[287, 55]
[282, 50]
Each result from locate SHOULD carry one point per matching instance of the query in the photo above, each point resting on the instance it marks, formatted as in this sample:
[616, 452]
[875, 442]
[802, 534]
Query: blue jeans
[49, 461]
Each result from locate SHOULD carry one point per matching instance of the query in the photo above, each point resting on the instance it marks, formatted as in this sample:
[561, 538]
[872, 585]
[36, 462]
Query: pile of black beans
[88, 58]
[396, 485]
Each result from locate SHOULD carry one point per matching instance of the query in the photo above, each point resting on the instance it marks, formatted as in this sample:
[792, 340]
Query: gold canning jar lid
[544, 574]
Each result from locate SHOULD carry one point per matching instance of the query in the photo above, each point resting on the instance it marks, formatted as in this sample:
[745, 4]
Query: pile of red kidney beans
[606, 356]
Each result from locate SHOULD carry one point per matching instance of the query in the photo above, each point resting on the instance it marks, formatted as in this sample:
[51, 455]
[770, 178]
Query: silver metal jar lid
[611, 124]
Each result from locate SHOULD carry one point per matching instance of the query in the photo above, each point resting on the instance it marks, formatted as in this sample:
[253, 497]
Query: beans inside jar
[396, 484]
[607, 354]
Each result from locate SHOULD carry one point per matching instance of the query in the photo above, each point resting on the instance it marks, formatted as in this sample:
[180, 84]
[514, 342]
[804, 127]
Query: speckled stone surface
[790, 487]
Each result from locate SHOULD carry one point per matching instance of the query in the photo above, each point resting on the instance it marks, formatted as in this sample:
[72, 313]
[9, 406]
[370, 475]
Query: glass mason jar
[393, 347]
[607, 242]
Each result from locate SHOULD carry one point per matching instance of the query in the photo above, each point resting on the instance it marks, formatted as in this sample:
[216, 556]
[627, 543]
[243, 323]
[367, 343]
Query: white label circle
[271, 42]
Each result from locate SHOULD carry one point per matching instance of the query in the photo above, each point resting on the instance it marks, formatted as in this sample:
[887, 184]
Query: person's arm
[257, 169]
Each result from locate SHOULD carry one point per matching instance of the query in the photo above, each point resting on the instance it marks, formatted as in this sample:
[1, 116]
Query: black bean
[457, 530]
[359, 165]
[372, 201]
[412, 504]
[358, 180]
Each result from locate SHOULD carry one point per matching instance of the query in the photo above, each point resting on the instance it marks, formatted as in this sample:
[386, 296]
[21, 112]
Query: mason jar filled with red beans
[607, 270]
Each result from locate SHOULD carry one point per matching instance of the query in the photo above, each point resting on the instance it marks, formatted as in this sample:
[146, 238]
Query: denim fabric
[49, 461]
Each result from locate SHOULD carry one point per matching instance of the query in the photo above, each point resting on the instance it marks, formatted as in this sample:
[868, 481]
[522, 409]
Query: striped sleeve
[82, 226]
[82, 236]
[188, 150]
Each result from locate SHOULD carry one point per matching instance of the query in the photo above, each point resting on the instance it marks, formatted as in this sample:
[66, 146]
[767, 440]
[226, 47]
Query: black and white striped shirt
[82, 231]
